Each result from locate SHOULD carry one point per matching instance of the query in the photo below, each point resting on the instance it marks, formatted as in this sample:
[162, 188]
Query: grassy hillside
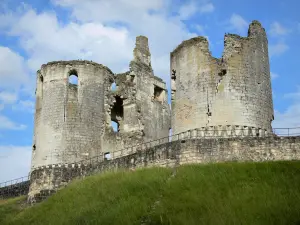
[233, 193]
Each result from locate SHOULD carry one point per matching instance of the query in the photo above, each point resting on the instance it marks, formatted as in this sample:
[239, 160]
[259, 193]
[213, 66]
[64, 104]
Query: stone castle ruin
[73, 122]
[228, 95]
[232, 91]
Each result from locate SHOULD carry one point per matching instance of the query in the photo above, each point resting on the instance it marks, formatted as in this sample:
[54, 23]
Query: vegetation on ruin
[227, 193]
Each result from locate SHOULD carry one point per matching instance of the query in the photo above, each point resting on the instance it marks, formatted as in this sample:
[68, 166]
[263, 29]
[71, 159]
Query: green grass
[229, 193]
[9, 208]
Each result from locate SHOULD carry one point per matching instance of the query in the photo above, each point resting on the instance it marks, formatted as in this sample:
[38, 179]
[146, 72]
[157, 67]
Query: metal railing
[14, 181]
[14, 188]
[287, 132]
[20, 186]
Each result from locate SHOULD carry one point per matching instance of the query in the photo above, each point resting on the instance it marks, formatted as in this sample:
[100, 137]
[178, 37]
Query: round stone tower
[233, 92]
[69, 118]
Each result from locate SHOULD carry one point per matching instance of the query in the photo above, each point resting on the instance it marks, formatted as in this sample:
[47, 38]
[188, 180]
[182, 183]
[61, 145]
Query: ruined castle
[73, 121]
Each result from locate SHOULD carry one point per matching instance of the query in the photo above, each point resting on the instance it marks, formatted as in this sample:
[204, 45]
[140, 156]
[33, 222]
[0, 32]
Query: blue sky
[37, 31]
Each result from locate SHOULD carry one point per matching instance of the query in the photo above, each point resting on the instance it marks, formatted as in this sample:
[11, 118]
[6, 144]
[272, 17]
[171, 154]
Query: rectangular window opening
[107, 156]
[159, 93]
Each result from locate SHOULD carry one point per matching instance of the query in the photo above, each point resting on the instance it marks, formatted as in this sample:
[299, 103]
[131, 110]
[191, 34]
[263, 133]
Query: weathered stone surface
[233, 90]
[184, 151]
[69, 119]
[224, 107]
[73, 121]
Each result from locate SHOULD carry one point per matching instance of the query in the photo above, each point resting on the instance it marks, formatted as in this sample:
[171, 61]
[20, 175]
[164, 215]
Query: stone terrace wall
[47, 180]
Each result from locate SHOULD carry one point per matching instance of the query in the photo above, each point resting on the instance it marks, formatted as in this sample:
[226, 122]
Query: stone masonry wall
[233, 90]
[69, 119]
[187, 150]
[146, 112]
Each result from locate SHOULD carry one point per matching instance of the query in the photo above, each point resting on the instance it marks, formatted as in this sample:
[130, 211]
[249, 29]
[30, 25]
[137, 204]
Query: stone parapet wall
[225, 131]
[46, 180]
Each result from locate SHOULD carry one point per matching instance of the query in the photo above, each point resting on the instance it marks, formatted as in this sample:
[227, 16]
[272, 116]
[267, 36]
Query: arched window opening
[73, 77]
[113, 86]
[107, 156]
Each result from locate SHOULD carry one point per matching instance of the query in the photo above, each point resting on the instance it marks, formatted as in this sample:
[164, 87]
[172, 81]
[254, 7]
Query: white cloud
[278, 30]
[278, 49]
[295, 96]
[14, 162]
[7, 124]
[207, 8]
[238, 23]
[192, 7]
[274, 76]
[291, 116]
[199, 28]
[45, 39]
[187, 10]
[12, 70]
[111, 11]
[8, 97]
[24, 106]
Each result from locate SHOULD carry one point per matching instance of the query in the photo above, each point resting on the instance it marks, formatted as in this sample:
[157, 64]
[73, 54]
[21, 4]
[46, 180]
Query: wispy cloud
[207, 8]
[238, 23]
[278, 49]
[294, 95]
[8, 124]
[24, 106]
[8, 97]
[189, 9]
[291, 116]
[274, 76]
[14, 161]
[278, 30]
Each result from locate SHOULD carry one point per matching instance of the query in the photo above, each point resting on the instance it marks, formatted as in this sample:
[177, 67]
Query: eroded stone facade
[211, 98]
[184, 151]
[73, 121]
[234, 90]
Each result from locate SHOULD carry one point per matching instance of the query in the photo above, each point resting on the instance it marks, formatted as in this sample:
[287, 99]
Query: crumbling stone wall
[73, 121]
[233, 90]
[145, 109]
[48, 179]
[219, 97]
[69, 118]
